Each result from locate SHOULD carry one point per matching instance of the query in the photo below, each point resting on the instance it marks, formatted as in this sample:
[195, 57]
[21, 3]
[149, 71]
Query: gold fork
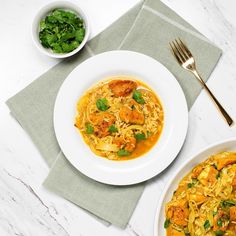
[186, 60]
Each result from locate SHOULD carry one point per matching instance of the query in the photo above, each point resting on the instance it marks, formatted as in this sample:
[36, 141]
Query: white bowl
[187, 166]
[44, 11]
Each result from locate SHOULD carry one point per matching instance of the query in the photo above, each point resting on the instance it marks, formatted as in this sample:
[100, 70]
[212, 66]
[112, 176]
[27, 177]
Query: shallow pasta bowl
[157, 77]
[226, 145]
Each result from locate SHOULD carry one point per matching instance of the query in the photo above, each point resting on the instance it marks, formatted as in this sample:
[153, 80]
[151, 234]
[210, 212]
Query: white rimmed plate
[226, 145]
[153, 74]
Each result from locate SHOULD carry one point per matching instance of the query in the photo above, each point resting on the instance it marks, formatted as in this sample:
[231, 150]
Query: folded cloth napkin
[147, 28]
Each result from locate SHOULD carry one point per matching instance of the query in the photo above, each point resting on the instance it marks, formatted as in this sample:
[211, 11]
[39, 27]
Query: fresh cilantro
[228, 203]
[123, 152]
[219, 222]
[138, 97]
[112, 129]
[167, 223]
[219, 233]
[102, 104]
[194, 181]
[61, 30]
[89, 129]
[207, 224]
[140, 136]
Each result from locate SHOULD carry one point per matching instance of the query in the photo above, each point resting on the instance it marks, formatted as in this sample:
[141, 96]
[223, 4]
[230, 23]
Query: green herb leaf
[218, 175]
[140, 136]
[214, 213]
[190, 185]
[194, 181]
[219, 222]
[149, 133]
[112, 129]
[219, 233]
[207, 224]
[138, 97]
[61, 30]
[89, 128]
[167, 223]
[102, 104]
[123, 152]
[228, 203]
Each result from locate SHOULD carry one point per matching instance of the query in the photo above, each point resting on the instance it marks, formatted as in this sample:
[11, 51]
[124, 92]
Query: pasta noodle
[205, 201]
[120, 118]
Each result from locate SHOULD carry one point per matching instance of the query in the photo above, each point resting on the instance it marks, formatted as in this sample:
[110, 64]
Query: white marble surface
[28, 209]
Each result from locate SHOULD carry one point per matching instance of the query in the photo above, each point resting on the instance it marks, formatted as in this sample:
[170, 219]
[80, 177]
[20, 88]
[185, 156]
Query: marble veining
[26, 208]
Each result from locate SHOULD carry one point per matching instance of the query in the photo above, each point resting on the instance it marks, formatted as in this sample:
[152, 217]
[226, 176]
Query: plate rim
[178, 170]
[176, 149]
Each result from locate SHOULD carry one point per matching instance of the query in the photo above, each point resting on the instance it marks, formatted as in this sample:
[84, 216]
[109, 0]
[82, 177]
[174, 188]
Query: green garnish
[61, 30]
[167, 223]
[187, 234]
[89, 129]
[207, 224]
[190, 185]
[140, 136]
[218, 175]
[194, 181]
[102, 104]
[112, 129]
[228, 203]
[149, 133]
[123, 152]
[219, 233]
[215, 166]
[219, 222]
[138, 97]
[214, 213]
[133, 107]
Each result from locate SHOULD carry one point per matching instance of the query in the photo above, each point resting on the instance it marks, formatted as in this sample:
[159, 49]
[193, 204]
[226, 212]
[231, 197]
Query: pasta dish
[120, 118]
[205, 201]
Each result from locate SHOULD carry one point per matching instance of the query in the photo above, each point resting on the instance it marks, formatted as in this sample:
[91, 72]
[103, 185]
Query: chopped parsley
[219, 222]
[138, 97]
[207, 224]
[219, 233]
[102, 104]
[228, 203]
[167, 223]
[140, 136]
[112, 129]
[194, 181]
[89, 129]
[61, 30]
[123, 152]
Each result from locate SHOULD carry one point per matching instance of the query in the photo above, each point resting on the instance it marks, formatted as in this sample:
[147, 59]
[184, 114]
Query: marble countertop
[26, 208]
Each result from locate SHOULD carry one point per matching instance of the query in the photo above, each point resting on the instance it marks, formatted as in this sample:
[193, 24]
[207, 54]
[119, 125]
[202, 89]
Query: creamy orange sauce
[124, 111]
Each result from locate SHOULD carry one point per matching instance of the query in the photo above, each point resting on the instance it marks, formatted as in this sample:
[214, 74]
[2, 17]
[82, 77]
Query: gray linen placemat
[147, 28]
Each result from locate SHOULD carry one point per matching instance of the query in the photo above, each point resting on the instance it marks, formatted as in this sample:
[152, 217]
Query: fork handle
[221, 109]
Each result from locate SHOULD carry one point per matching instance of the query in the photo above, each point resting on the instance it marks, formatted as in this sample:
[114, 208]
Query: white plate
[227, 145]
[159, 79]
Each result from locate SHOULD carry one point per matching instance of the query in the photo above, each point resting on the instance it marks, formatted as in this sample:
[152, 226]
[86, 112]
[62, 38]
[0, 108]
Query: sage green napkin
[147, 28]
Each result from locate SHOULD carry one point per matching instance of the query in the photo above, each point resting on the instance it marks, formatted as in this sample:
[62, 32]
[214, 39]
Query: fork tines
[180, 50]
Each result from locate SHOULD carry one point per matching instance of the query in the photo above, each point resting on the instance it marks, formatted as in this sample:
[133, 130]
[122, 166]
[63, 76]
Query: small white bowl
[43, 12]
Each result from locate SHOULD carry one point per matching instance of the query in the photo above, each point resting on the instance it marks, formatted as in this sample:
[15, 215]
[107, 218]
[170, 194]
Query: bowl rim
[43, 11]
[191, 158]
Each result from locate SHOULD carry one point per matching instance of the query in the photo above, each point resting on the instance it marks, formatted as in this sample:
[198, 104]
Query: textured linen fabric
[147, 28]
